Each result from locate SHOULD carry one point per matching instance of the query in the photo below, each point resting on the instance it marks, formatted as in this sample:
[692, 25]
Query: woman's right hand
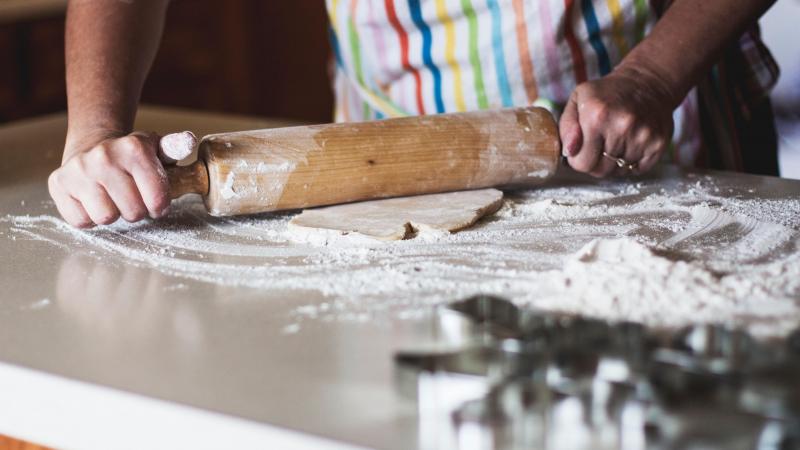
[113, 176]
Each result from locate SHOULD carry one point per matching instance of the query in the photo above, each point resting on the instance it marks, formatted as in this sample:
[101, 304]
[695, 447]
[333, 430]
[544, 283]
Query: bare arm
[690, 37]
[629, 112]
[110, 46]
[108, 171]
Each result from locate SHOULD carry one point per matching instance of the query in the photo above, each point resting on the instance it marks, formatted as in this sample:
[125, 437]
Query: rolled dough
[399, 218]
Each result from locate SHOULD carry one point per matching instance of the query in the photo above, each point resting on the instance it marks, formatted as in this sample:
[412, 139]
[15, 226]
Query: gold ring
[621, 162]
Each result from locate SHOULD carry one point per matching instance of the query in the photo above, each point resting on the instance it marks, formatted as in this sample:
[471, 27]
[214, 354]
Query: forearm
[688, 39]
[110, 46]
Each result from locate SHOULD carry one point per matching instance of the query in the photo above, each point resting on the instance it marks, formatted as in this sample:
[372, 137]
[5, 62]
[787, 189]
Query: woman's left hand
[626, 115]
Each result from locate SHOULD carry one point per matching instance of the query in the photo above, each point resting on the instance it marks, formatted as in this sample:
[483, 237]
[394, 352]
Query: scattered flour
[664, 257]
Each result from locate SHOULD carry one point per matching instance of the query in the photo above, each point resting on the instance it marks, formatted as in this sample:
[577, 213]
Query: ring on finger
[621, 162]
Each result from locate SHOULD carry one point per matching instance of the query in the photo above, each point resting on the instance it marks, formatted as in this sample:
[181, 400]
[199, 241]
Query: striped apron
[408, 57]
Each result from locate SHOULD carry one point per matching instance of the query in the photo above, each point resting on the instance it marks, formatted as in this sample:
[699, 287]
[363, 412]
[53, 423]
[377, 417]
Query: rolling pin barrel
[299, 167]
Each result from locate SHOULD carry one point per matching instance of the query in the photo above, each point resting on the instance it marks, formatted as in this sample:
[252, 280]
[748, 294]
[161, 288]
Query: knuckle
[585, 90]
[644, 135]
[136, 146]
[99, 157]
[54, 180]
[128, 142]
[625, 121]
[128, 147]
[598, 114]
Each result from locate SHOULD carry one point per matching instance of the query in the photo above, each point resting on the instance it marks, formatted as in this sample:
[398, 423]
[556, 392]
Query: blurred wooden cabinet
[257, 57]
[32, 78]
[8, 78]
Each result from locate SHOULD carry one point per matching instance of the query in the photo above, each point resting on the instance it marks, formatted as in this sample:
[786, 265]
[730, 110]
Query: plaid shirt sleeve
[760, 72]
[737, 124]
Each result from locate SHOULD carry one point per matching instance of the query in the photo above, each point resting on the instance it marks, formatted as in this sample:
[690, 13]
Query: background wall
[31, 61]
[258, 57]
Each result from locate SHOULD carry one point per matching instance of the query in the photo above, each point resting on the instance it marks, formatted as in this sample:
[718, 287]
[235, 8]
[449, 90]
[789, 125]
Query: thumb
[570, 128]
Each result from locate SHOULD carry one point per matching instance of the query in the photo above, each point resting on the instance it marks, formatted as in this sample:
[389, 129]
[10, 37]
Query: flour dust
[618, 251]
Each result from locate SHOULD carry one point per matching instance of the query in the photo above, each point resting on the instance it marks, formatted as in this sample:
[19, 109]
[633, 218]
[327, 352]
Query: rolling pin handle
[176, 147]
[191, 179]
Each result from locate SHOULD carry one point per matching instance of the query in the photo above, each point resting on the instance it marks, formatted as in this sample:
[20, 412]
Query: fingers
[154, 189]
[613, 149]
[123, 192]
[612, 116]
[98, 205]
[149, 175]
[570, 128]
[590, 158]
[652, 155]
[70, 209]
[618, 145]
[591, 117]
[118, 177]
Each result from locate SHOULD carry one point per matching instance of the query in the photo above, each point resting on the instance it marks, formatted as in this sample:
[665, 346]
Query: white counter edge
[68, 414]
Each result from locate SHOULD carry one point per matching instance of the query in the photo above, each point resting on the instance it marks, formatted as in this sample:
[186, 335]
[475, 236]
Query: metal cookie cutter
[516, 378]
[511, 415]
[487, 329]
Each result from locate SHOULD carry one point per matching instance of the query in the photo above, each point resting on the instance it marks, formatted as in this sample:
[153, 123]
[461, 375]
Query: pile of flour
[663, 257]
[623, 279]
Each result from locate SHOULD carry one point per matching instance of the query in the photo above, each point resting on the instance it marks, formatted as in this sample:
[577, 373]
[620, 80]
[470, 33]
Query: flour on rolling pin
[176, 147]
[308, 166]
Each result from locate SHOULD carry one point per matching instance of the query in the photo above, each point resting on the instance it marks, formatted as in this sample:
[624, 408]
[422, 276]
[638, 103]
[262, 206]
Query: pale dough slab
[397, 218]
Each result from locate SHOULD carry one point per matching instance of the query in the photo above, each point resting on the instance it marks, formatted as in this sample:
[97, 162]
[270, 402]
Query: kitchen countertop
[108, 353]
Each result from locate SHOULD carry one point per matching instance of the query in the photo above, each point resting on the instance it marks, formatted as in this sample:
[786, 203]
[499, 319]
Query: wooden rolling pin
[299, 167]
